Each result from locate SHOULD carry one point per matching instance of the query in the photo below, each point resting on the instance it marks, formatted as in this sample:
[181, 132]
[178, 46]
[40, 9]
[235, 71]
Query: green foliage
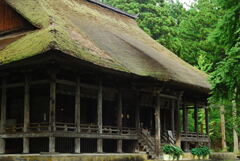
[193, 34]
[172, 150]
[200, 152]
[207, 35]
[225, 78]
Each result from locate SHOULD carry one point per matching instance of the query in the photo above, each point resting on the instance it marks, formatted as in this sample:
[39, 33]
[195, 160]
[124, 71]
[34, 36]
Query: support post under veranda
[3, 115]
[77, 115]
[52, 111]
[99, 116]
[185, 125]
[26, 114]
[119, 120]
[178, 129]
[157, 124]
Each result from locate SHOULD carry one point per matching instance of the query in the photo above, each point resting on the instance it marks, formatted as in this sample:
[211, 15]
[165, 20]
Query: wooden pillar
[119, 121]
[196, 118]
[178, 129]
[185, 119]
[99, 118]
[164, 119]
[185, 126]
[77, 115]
[3, 115]
[52, 113]
[207, 120]
[158, 125]
[172, 116]
[137, 117]
[51, 144]
[26, 114]
[137, 111]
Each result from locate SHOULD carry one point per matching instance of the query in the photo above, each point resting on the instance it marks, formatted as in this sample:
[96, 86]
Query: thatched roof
[98, 35]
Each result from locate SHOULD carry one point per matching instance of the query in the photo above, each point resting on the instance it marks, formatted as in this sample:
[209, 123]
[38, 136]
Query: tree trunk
[223, 131]
[235, 135]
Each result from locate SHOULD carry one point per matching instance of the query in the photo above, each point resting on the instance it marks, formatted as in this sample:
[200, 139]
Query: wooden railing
[44, 126]
[67, 127]
[14, 128]
[71, 127]
[167, 138]
[88, 128]
[194, 135]
[148, 139]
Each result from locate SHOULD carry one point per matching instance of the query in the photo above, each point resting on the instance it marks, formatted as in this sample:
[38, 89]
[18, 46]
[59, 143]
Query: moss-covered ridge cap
[100, 36]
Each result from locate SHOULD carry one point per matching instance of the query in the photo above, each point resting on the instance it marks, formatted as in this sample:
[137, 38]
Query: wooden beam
[119, 120]
[26, 114]
[77, 115]
[157, 126]
[3, 115]
[21, 84]
[70, 135]
[95, 87]
[161, 94]
[99, 117]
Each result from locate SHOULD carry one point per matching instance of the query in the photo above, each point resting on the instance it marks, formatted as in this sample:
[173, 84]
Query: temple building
[79, 76]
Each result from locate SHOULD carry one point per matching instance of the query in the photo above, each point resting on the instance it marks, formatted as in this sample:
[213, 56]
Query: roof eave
[113, 9]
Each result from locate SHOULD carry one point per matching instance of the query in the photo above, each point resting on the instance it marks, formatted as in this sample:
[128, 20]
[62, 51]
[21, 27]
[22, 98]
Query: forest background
[206, 35]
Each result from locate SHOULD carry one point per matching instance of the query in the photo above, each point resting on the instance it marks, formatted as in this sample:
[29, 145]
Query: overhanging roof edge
[113, 9]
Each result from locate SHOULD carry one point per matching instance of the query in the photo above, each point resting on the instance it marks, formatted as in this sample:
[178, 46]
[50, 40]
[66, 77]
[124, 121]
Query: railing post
[26, 114]
[3, 115]
[77, 115]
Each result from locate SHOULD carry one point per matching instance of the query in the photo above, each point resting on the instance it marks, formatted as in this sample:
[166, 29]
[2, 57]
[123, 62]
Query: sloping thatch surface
[98, 35]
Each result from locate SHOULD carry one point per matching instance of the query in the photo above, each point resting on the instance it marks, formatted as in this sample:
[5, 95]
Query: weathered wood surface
[119, 120]
[99, 117]
[178, 129]
[77, 115]
[157, 126]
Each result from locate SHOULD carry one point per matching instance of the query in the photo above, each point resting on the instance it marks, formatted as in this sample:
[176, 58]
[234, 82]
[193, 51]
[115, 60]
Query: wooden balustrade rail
[71, 127]
[193, 134]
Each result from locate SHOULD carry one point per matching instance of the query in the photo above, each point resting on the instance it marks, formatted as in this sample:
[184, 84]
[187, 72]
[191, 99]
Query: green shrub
[172, 150]
[200, 152]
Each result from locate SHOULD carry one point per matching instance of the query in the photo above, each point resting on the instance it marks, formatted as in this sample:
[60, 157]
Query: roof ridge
[112, 8]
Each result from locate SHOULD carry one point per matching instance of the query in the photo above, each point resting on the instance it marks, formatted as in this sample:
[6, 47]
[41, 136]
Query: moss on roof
[98, 35]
